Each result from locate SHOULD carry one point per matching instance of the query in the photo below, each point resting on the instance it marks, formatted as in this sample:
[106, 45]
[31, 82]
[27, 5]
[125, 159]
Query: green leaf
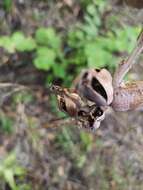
[9, 177]
[7, 43]
[18, 171]
[7, 4]
[96, 55]
[101, 5]
[86, 140]
[10, 160]
[23, 43]
[45, 58]
[6, 123]
[59, 70]
[91, 26]
[74, 36]
[81, 160]
[48, 37]
[91, 9]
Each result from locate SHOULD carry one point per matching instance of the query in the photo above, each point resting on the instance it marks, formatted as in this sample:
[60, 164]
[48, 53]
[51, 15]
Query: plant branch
[126, 65]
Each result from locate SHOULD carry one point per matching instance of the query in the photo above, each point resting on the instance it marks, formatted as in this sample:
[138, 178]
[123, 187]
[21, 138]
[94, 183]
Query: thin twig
[8, 89]
[52, 124]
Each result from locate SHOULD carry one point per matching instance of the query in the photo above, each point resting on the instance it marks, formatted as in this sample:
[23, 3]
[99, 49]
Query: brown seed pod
[88, 115]
[96, 86]
[68, 101]
[67, 105]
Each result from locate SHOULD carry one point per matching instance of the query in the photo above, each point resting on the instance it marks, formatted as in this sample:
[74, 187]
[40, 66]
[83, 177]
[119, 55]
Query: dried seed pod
[68, 101]
[96, 86]
[90, 117]
[67, 105]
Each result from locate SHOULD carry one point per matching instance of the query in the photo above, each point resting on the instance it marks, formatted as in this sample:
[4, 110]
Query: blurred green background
[49, 41]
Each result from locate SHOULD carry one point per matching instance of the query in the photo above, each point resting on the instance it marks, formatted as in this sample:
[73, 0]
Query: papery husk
[70, 103]
[105, 78]
[86, 87]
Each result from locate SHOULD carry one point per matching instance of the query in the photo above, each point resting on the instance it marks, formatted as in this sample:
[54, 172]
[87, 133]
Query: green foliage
[6, 123]
[7, 4]
[100, 50]
[90, 44]
[48, 37]
[17, 42]
[49, 51]
[86, 139]
[9, 169]
[23, 43]
[92, 18]
[65, 140]
[47, 47]
[98, 47]
[68, 143]
[86, 142]
[45, 58]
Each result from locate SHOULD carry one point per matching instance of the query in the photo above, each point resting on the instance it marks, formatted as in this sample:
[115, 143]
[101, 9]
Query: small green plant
[6, 124]
[65, 140]
[87, 45]
[87, 140]
[9, 169]
[46, 45]
[96, 47]
[69, 144]
[85, 147]
[7, 4]
[17, 42]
